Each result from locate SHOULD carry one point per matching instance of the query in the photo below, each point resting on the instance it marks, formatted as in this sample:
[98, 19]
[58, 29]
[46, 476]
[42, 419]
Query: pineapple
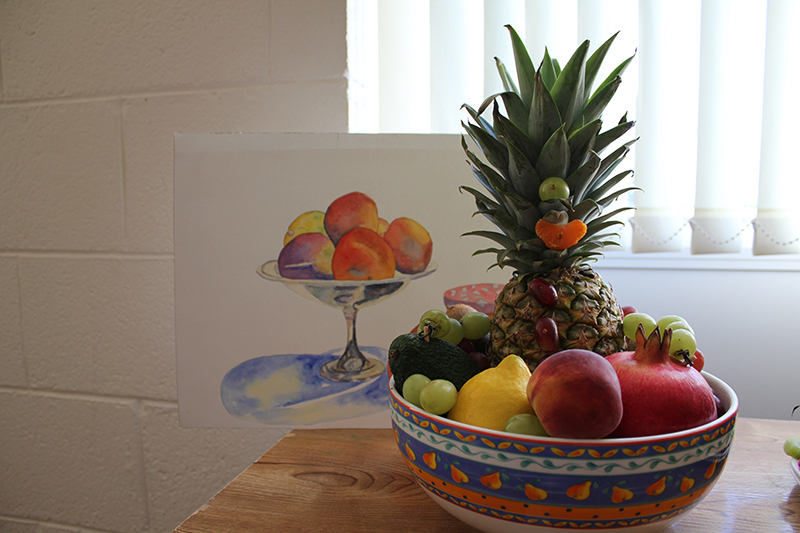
[551, 129]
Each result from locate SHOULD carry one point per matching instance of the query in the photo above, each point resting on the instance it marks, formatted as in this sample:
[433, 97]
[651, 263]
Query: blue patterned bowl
[503, 482]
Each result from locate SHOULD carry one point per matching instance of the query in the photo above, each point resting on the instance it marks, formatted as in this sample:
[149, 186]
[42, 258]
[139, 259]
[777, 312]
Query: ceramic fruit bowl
[504, 482]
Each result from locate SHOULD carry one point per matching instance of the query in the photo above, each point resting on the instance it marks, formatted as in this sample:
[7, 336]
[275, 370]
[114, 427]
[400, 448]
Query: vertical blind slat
[777, 224]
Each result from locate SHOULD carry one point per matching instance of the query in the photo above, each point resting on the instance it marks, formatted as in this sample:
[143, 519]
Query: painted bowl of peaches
[349, 241]
[498, 481]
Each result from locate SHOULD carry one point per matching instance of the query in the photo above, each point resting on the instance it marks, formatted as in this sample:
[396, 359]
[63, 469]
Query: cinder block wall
[91, 93]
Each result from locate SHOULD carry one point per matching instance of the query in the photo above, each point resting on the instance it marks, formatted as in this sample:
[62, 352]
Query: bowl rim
[724, 391]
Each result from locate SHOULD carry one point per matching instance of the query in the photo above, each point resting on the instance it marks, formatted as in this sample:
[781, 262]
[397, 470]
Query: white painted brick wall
[91, 93]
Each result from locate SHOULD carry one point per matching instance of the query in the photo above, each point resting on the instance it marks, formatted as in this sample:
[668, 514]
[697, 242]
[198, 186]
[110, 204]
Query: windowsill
[743, 261]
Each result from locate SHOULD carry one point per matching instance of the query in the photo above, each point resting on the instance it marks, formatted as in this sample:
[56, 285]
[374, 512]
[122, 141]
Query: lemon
[309, 222]
[490, 398]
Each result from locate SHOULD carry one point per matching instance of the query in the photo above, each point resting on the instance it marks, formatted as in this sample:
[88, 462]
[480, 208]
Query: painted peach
[383, 225]
[411, 244]
[353, 210]
[362, 254]
[307, 256]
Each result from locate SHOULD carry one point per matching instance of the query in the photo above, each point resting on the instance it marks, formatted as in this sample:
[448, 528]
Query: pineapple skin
[587, 315]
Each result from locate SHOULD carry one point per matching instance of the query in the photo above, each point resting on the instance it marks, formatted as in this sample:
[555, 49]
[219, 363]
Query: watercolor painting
[289, 288]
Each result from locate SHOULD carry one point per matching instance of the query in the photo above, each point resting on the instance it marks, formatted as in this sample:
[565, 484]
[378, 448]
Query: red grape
[546, 332]
[543, 292]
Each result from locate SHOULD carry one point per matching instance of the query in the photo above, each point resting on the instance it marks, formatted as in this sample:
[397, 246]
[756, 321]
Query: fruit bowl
[497, 481]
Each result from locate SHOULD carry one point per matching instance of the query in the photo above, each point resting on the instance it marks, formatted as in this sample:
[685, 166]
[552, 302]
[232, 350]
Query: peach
[309, 222]
[350, 211]
[307, 256]
[576, 395]
[383, 225]
[362, 254]
[411, 244]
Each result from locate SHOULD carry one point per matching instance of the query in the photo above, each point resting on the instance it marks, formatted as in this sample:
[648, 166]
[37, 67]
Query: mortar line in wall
[88, 396]
[176, 92]
[22, 322]
[50, 524]
[137, 409]
[78, 254]
[123, 171]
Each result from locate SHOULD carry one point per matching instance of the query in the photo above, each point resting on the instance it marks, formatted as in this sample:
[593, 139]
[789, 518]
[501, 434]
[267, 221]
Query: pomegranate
[659, 394]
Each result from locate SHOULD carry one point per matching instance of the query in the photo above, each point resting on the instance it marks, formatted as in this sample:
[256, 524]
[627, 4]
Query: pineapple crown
[551, 132]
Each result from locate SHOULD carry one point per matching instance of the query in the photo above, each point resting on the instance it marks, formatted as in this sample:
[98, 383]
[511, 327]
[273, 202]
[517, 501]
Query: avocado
[413, 353]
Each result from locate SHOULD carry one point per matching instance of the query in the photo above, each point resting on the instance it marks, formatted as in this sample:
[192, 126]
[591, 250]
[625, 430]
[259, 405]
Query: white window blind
[711, 89]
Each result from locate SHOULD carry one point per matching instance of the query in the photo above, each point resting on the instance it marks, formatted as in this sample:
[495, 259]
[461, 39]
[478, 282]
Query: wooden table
[354, 480]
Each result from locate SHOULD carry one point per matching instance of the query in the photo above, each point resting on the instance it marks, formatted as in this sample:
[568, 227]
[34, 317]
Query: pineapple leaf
[585, 209]
[611, 135]
[594, 62]
[604, 202]
[597, 104]
[505, 77]
[569, 87]
[513, 134]
[610, 215]
[614, 74]
[497, 185]
[493, 149]
[581, 142]
[594, 229]
[544, 118]
[554, 158]
[525, 69]
[479, 120]
[517, 110]
[485, 182]
[580, 180]
[481, 197]
[609, 184]
[548, 71]
[486, 251]
[501, 239]
[611, 161]
[522, 175]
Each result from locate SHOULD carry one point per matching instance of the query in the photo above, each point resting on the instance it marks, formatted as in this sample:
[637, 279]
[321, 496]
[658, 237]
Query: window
[711, 89]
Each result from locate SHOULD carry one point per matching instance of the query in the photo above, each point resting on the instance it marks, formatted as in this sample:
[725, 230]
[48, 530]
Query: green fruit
[553, 188]
[631, 322]
[682, 342]
[664, 321]
[678, 324]
[413, 386]
[437, 320]
[792, 447]
[411, 353]
[525, 424]
[438, 396]
[456, 332]
[476, 325]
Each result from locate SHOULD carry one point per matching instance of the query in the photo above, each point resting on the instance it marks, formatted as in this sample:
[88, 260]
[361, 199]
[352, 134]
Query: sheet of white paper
[249, 349]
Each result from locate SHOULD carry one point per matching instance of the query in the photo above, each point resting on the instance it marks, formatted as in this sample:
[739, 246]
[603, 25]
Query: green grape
[437, 320]
[476, 325]
[631, 322]
[683, 342]
[456, 332]
[678, 324]
[665, 320]
[792, 447]
[412, 386]
[438, 396]
[526, 424]
[553, 188]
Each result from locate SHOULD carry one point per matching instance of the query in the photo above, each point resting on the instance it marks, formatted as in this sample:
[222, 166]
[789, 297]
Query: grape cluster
[683, 345]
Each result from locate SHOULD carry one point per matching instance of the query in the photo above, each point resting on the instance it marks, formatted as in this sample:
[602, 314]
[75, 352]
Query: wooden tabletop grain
[354, 480]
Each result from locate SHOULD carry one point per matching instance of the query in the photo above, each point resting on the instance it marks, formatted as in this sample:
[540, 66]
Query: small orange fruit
[560, 236]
